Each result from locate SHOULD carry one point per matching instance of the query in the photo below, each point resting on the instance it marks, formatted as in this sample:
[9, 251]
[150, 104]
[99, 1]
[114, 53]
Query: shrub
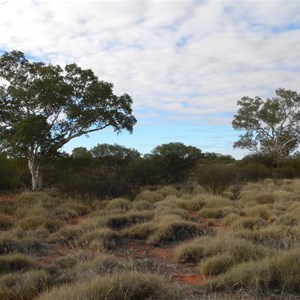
[128, 285]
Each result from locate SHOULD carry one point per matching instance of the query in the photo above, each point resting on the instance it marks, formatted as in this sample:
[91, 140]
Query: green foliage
[43, 107]
[114, 154]
[271, 126]
[176, 160]
[216, 177]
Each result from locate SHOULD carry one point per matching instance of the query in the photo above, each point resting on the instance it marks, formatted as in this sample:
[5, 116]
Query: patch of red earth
[191, 279]
[7, 197]
[217, 222]
[141, 249]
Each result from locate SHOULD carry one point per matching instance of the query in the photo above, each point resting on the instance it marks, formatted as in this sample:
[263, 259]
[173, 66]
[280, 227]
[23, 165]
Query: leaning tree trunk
[36, 174]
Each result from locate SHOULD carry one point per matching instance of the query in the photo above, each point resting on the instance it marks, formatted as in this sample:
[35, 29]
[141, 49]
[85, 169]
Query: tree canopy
[44, 106]
[116, 153]
[271, 126]
[175, 159]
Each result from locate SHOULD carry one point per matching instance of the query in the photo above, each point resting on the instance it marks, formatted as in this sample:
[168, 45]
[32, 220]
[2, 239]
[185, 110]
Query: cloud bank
[179, 60]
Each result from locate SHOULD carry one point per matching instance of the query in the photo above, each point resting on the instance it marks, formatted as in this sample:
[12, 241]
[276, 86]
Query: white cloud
[206, 54]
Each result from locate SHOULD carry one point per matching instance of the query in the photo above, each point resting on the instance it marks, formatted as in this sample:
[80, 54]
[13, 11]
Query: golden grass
[128, 285]
[257, 252]
[280, 272]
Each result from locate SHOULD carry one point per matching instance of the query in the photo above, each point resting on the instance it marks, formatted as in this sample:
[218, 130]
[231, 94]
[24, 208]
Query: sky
[185, 63]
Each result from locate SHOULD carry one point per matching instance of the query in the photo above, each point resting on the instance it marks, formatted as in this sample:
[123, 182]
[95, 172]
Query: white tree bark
[36, 174]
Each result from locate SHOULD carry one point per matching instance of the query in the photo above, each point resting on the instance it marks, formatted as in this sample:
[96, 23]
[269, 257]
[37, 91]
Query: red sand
[141, 249]
[191, 279]
[7, 197]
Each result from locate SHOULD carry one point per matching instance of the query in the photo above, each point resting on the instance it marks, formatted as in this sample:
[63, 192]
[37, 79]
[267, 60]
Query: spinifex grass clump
[100, 239]
[143, 205]
[6, 222]
[280, 273]
[171, 228]
[101, 264]
[25, 285]
[150, 196]
[204, 247]
[273, 236]
[125, 285]
[15, 263]
[130, 218]
[35, 222]
[119, 203]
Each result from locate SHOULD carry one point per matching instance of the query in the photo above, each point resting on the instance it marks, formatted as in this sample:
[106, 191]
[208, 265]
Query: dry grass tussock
[128, 285]
[52, 247]
[279, 272]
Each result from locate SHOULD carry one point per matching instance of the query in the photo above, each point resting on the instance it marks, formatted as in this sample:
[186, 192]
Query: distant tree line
[108, 171]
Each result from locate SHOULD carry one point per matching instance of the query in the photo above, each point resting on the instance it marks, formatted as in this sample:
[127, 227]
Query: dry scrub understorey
[164, 244]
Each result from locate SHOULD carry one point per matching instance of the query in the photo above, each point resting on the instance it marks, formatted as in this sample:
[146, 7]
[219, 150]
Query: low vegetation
[54, 247]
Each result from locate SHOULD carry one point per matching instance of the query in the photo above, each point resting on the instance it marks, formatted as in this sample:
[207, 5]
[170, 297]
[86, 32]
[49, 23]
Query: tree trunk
[36, 174]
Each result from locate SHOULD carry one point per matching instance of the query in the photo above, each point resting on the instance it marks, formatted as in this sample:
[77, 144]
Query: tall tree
[271, 126]
[43, 107]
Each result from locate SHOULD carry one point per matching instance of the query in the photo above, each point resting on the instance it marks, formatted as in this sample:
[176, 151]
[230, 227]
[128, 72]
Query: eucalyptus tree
[271, 126]
[44, 106]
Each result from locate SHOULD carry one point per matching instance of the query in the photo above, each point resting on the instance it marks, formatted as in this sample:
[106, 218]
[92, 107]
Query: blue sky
[184, 63]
